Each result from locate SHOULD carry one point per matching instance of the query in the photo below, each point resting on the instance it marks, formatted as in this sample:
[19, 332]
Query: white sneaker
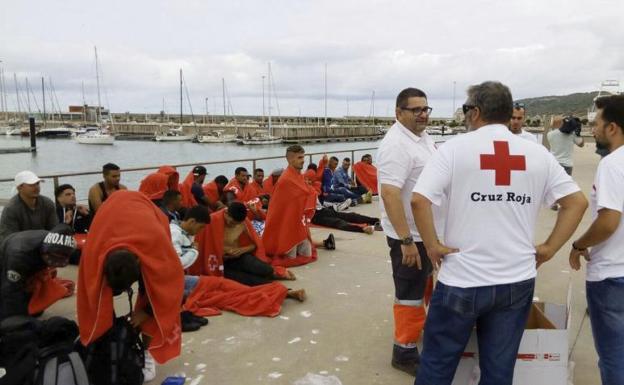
[149, 370]
[344, 205]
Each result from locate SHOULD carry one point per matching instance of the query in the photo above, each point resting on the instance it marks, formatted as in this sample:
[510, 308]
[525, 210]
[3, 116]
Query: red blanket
[46, 289]
[291, 208]
[269, 184]
[255, 190]
[156, 184]
[212, 192]
[214, 294]
[188, 200]
[130, 221]
[242, 193]
[367, 175]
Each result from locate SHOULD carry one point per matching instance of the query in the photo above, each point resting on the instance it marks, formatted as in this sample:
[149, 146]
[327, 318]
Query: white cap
[27, 177]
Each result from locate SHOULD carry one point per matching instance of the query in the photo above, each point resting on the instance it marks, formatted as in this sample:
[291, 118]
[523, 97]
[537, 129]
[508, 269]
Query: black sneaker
[330, 242]
[378, 226]
[406, 359]
[200, 320]
[410, 367]
[188, 323]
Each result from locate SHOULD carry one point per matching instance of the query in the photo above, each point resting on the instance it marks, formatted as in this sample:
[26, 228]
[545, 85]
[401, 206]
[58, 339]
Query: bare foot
[290, 276]
[369, 230]
[299, 295]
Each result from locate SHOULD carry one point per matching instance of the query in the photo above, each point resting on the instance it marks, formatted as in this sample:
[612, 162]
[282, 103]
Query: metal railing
[56, 177]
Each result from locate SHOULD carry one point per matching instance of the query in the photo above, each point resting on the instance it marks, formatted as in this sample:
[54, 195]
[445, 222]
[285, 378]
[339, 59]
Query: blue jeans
[606, 312]
[347, 193]
[499, 312]
[190, 281]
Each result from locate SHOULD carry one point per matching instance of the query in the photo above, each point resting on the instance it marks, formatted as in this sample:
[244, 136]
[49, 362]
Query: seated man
[182, 235]
[257, 184]
[27, 258]
[68, 212]
[124, 249]
[214, 191]
[192, 190]
[270, 182]
[172, 205]
[100, 191]
[327, 199]
[239, 185]
[27, 210]
[366, 173]
[343, 184]
[287, 235]
[156, 184]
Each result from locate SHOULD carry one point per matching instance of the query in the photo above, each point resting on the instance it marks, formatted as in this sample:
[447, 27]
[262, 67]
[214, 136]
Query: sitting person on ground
[343, 184]
[328, 175]
[122, 250]
[257, 184]
[214, 191]
[192, 191]
[287, 234]
[327, 199]
[182, 235]
[156, 184]
[171, 205]
[99, 192]
[270, 182]
[28, 209]
[27, 260]
[366, 173]
[70, 213]
[239, 185]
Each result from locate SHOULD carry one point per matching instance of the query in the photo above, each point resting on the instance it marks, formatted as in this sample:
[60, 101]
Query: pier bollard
[33, 135]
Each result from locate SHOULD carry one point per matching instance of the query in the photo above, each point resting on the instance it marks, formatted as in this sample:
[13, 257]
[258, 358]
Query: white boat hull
[215, 139]
[172, 138]
[93, 139]
[261, 141]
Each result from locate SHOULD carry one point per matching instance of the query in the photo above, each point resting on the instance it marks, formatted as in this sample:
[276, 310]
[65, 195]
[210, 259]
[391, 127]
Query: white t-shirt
[495, 183]
[528, 136]
[562, 145]
[401, 158]
[607, 258]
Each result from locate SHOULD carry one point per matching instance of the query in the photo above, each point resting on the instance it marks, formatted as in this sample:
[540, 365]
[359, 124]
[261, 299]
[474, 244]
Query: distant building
[458, 116]
[89, 113]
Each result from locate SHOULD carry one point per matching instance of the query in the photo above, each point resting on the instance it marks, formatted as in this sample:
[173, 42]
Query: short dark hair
[494, 101]
[237, 211]
[403, 96]
[295, 149]
[258, 170]
[239, 170]
[366, 156]
[199, 213]
[312, 166]
[169, 196]
[334, 158]
[121, 269]
[110, 167]
[612, 109]
[347, 159]
[60, 189]
[221, 179]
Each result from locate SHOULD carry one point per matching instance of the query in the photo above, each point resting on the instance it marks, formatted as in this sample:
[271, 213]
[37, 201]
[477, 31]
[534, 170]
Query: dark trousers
[409, 282]
[329, 217]
[248, 270]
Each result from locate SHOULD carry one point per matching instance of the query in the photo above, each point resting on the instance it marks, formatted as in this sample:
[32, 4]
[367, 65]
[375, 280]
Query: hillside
[573, 104]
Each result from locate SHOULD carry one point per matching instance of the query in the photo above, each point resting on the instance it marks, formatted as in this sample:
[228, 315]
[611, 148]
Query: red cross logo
[502, 163]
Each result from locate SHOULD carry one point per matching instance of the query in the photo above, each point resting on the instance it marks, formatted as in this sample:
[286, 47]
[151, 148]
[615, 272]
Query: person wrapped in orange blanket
[287, 235]
[239, 185]
[366, 173]
[257, 184]
[270, 182]
[28, 282]
[192, 191]
[123, 249]
[156, 184]
[214, 191]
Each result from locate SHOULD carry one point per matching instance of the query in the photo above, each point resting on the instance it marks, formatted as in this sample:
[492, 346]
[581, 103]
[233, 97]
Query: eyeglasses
[519, 105]
[419, 110]
[467, 107]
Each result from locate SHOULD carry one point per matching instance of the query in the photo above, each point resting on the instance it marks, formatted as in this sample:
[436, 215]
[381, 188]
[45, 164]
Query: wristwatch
[578, 248]
[407, 240]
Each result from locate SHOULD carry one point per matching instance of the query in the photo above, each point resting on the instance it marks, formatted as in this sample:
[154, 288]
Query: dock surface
[345, 328]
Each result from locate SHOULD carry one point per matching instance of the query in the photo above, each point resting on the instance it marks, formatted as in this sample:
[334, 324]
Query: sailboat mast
[269, 86]
[17, 96]
[4, 106]
[181, 97]
[28, 98]
[84, 105]
[98, 115]
[223, 89]
[43, 93]
[326, 95]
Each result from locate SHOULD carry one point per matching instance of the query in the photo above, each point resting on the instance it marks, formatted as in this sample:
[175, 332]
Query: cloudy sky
[536, 47]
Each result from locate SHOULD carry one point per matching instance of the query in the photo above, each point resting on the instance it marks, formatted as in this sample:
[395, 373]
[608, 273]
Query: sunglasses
[419, 110]
[518, 105]
[467, 107]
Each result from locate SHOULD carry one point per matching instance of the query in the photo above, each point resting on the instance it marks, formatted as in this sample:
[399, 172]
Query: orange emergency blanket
[212, 192]
[156, 184]
[46, 289]
[188, 200]
[129, 220]
[242, 193]
[367, 175]
[292, 206]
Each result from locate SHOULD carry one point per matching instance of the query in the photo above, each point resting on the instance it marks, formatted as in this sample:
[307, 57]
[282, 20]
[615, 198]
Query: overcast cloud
[536, 47]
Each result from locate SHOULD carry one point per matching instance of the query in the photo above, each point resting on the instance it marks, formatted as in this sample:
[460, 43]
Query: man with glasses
[516, 124]
[401, 157]
[492, 184]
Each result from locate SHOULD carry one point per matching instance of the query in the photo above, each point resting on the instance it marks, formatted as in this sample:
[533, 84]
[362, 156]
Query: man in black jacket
[24, 254]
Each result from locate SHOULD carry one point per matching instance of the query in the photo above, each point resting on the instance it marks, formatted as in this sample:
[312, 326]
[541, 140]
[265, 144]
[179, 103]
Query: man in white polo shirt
[516, 123]
[494, 184]
[401, 157]
[605, 236]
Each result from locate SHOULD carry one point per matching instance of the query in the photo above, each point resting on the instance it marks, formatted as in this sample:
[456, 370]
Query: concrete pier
[345, 329]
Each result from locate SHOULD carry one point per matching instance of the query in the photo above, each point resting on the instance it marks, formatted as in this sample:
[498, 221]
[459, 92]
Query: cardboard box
[543, 353]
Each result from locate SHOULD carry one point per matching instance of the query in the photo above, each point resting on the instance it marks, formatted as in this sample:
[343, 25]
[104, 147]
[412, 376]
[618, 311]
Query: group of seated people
[220, 244]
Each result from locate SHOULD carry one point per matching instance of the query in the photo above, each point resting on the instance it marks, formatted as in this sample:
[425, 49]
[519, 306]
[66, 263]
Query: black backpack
[117, 357]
